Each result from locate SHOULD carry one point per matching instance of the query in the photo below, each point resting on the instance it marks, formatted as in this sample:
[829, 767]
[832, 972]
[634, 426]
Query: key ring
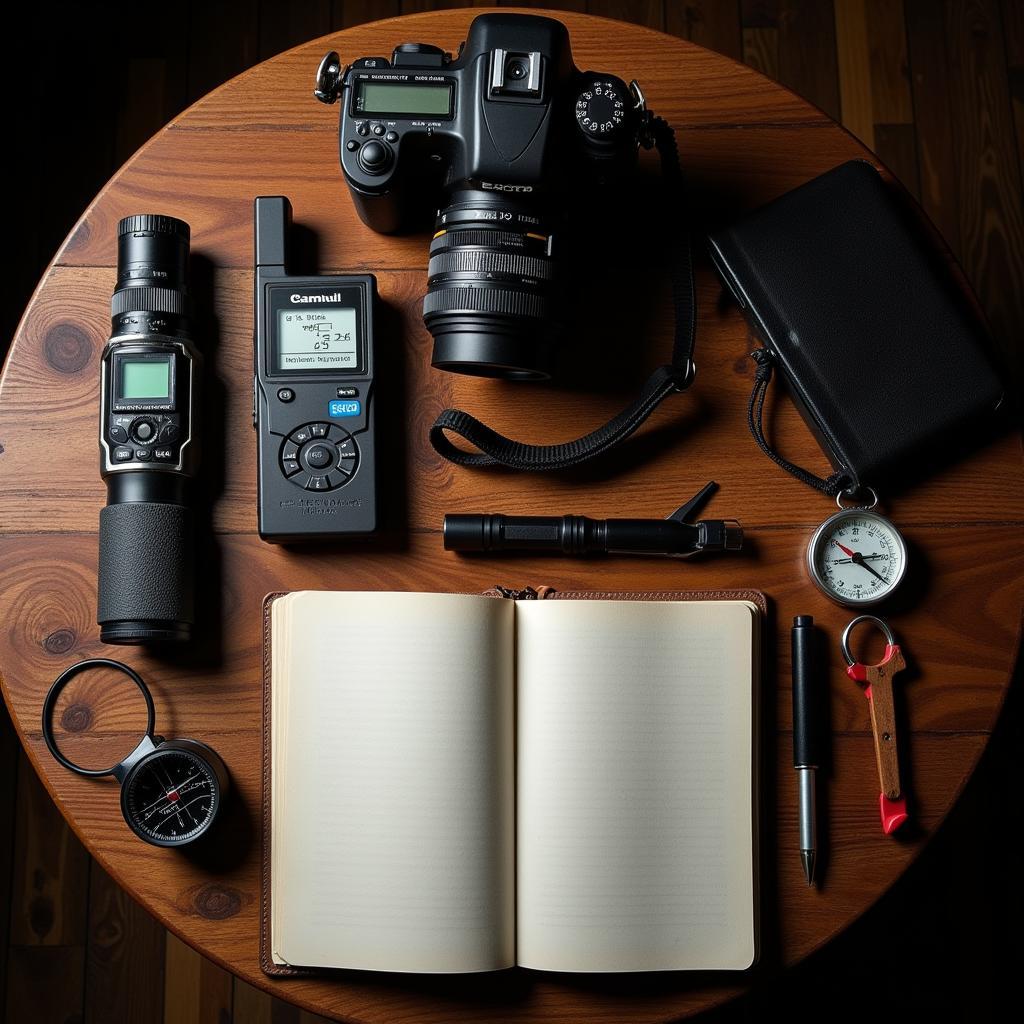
[877, 680]
[890, 640]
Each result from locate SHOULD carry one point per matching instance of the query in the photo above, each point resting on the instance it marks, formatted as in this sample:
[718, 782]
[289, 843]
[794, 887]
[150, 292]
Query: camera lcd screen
[404, 98]
[322, 339]
[145, 378]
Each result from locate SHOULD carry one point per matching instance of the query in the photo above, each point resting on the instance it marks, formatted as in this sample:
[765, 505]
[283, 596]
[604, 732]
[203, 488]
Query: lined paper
[634, 785]
[393, 802]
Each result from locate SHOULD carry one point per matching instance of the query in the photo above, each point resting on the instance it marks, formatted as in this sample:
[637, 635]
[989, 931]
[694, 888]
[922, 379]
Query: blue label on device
[347, 408]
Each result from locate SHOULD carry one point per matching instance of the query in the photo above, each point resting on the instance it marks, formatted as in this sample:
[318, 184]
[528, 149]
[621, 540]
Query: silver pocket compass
[857, 557]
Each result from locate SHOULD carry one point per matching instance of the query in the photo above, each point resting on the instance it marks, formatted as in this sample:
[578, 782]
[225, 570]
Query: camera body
[503, 142]
[511, 113]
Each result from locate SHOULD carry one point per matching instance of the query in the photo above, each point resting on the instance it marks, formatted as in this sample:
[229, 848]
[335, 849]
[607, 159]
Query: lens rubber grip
[146, 572]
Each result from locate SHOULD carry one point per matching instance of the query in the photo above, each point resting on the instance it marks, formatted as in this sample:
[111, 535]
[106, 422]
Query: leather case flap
[873, 334]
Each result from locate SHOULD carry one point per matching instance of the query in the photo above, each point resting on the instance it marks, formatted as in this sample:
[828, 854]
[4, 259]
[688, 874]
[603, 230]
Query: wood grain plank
[223, 41]
[196, 990]
[896, 146]
[935, 136]
[677, 78]
[649, 13]
[578, 6]
[282, 26]
[962, 639]
[144, 103]
[9, 749]
[51, 871]
[216, 904]
[761, 50]
[853, 53]
[714, 24]
[46, 985]
[991, 194]
[807, 52]
[654, 472]
[760, 19]
[859, 860]
[346, 13]
[890, 79]
[125, 957]
[154, 62]
[251, 1006]
[1013, 36]
[729, 169]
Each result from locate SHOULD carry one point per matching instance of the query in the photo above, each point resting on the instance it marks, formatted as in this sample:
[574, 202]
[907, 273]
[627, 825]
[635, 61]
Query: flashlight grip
[146, 572]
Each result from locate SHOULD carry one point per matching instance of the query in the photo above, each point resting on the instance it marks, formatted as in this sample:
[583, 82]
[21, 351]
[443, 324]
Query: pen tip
[807, 856]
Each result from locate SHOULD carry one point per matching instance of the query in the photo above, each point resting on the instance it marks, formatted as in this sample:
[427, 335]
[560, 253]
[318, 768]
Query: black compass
[171, 790]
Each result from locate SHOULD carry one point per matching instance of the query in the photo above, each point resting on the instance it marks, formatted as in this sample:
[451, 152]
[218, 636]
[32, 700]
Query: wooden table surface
[744, 140]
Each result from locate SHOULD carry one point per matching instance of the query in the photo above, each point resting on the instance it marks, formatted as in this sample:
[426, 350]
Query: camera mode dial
[601, 109]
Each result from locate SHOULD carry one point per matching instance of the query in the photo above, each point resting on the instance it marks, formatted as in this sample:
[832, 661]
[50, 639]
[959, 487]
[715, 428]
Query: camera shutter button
[374, 157]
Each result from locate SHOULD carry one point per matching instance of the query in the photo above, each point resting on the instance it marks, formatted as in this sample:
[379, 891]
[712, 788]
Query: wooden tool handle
[883, 726]
[883, 719]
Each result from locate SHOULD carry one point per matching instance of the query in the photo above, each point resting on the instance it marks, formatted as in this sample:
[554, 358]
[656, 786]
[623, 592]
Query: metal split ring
[852, 491]
[880, 623]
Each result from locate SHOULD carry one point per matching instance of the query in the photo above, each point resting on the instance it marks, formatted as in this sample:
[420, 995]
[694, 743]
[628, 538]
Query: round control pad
[143, 430]
[375, 157]
[319, 457]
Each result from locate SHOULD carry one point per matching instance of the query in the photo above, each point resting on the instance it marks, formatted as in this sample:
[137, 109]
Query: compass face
[171, 797]
[857, 557]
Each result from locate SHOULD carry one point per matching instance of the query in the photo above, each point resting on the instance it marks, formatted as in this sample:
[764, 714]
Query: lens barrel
[152, 266]
[490, 301]
[145, 587]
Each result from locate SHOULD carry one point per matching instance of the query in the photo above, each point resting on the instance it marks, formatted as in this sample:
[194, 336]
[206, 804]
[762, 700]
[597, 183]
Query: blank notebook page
[635, 775]
[392, 782]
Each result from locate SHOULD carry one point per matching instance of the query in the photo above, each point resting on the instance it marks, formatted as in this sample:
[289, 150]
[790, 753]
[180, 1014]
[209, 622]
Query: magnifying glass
[172, 791]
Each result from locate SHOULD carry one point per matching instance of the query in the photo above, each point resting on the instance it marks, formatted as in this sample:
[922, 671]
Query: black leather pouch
[862, 317]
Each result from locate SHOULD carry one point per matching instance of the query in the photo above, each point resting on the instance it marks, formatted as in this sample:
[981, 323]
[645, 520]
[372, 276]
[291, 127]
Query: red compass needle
[845, 550]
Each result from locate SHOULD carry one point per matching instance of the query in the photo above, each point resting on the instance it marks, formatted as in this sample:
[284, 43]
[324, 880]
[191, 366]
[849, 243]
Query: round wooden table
[744, 140]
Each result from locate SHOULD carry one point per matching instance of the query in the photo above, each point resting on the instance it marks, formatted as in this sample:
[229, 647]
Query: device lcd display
[404, 98]
[323, 339]
[145, 378]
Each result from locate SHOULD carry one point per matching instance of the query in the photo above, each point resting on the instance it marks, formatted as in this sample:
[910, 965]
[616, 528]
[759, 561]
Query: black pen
[805, 737]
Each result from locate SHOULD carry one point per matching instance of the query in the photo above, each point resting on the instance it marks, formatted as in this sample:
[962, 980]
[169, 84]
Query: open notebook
[465, 783]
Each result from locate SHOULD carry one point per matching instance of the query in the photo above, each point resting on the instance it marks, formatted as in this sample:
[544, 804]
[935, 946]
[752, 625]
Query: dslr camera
[505, 143]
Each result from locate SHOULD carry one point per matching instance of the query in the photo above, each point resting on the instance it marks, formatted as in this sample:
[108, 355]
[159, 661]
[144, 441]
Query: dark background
[935, 87]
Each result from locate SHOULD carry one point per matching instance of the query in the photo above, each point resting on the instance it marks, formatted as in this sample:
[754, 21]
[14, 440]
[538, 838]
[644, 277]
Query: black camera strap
[495, 449]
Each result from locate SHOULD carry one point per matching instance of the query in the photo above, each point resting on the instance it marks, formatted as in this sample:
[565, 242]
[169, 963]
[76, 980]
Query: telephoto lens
[490, 301]
[150, 373]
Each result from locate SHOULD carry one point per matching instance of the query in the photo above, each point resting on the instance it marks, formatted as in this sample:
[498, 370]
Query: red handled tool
[878, 690]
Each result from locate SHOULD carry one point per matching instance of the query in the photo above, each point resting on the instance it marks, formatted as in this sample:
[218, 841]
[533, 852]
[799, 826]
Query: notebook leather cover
[272, 969]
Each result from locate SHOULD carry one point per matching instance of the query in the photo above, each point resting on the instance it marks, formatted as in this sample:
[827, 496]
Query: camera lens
[516, 69]
[152, 266]
[490, 303]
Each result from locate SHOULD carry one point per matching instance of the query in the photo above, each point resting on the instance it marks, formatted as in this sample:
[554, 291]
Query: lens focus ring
[148, 300]
[153, 222]
[491, 303]
[486, 261]
[471, 299]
